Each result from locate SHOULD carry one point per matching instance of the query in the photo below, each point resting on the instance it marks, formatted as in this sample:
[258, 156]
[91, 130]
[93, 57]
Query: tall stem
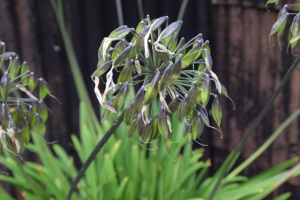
[79, 82]
[255, 124]
[266, 144]
[94, 153]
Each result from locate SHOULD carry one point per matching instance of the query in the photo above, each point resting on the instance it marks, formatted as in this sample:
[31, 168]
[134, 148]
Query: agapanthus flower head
[20, 116]
[166, 68]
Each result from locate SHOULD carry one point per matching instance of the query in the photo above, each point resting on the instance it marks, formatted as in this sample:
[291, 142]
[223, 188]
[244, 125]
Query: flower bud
[146, 135]
[30, 117]
[19, 142]
[120, 46]
[129, 114]
[192, 93]
[120, 98]
[204, 117]
[25, 131]
[205, 94]
[44, 88]
[114, 32]
[36, 106]
[4, 86]
[105, 58]
[199, 38]
[173, 105]
[176, 70]
[167, 142]
[158, 22]
[180, 45]
[197, 126]
[4, 116]
[152, 90]
[18, 113]
[138, 101]
[205, 46]
[102, 69]
[141, 25]
[182, 109]
[140, 40]
[155, 131]
[122, 56]
[122, 33]
[40, 125]
[169, 30]
[105, 111]
[25, 68]
[166, 77]
[188, 131]
[32, 81]
[140, 125]
[43, 110]
[216, 110]
[162, 122]
[15, 68]
[190, 56]
[126, 73]
[163, 55]
[132, 129]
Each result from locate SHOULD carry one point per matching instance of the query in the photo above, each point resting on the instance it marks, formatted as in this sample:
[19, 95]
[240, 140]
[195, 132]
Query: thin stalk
[266, 144]
[182, 9]
[120, 13]
[255, 124]
[94, 153]
[140, 8]
[79, 83]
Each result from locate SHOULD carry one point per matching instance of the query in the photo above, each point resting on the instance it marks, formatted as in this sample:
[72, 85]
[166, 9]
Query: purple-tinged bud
[169, 30]
[152, 90]
[40, 125]
[19, 142]
[114, 32]
[129, 114]
[138, 100]
[44, 88]
[167, 142]
[146, 135]
[18, 113]
[120, 46]
[204, 117]
[120, 98]
[176, 70]
[122, 33]
[217, 110]
[192, 93]
[4, 86]
[197, 126]
[105, 111]
[190, 56]
[205, 94]
[180, 45]
[132, 129]
[126, 73]
[43, 110]
[140, 125]
[30, 117]
[173, 105]
[162, 122]
[166, 77]
[122, 56]
[102, 69]
[182, 109]
[158, 22]
[32, 81]
[155, 131]
[4, 116]
[25, 131]
[140, 40]
[25, 69]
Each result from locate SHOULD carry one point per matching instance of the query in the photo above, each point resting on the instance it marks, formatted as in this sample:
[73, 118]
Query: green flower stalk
[20, 116]
[164, 68]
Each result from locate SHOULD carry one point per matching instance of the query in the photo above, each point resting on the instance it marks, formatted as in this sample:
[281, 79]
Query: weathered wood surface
[238, 30]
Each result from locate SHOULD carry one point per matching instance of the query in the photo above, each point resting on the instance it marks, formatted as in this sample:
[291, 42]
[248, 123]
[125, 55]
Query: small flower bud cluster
[158, 61]
[20, 116]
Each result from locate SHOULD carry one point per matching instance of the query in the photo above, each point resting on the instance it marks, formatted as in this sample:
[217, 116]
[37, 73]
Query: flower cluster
[20, 116]
[161, 59]
[278, 27]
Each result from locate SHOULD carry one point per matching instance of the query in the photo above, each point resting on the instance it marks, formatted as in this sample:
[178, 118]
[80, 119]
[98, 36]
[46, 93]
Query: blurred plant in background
[20, 116]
